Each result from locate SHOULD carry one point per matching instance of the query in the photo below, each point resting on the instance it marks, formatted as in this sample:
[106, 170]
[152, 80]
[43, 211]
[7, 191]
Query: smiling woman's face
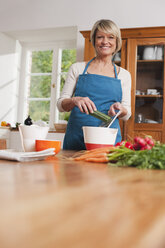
[105, 44]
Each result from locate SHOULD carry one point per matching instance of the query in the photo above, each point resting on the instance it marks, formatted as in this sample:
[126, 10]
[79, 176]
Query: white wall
[38, 14]
[8, 78]
[34, 14]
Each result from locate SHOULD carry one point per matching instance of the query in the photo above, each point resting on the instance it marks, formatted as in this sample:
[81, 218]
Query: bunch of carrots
[113, 153]
[98, 155]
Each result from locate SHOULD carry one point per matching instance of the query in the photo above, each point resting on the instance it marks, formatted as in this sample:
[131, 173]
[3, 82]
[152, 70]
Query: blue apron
[103, 91]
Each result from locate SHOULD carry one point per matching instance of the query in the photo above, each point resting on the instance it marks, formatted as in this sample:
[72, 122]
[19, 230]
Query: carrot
[105, 149]
[94, 153]
[103, 159]
[83, 157]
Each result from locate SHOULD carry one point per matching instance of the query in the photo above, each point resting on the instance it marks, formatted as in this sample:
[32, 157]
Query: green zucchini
[103, 117]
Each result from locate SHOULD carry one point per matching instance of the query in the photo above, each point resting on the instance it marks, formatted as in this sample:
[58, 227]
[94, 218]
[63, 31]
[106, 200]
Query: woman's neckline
[117, 68]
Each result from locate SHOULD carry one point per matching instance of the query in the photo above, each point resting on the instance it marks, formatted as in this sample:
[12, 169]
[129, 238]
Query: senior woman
[96, 85]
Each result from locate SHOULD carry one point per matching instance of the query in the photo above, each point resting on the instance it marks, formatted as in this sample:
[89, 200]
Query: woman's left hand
[117, 106]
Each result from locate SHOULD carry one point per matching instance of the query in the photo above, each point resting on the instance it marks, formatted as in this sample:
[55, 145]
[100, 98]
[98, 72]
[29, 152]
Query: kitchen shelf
[148, 126]
[149, 96]
[149, 61]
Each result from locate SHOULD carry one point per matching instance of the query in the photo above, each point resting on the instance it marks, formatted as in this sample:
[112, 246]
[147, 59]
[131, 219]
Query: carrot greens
[143, 159]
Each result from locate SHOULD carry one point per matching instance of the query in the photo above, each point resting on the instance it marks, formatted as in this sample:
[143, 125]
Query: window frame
[57, 48]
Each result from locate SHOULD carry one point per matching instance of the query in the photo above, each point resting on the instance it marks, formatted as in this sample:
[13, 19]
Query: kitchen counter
[60, 203]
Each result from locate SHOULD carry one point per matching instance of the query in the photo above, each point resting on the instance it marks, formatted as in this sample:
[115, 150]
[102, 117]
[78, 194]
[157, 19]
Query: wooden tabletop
[59, 203]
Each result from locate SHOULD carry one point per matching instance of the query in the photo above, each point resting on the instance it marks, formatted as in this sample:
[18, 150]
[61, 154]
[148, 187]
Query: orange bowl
[41, 145]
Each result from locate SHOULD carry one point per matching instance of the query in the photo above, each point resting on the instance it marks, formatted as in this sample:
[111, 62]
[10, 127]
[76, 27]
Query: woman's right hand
[84, 104]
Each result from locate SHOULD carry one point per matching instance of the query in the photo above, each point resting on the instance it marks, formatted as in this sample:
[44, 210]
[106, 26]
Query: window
[40, 77]
[68, 58]
[46, 71]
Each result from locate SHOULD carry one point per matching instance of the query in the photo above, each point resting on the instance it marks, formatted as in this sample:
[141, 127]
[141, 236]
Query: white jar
[149, 53]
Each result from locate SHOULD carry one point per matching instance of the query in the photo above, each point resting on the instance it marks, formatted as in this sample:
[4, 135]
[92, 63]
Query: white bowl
[31, 133]
[95, 137]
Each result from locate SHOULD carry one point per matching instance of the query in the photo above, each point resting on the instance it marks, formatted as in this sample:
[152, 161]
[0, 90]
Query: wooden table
[60, 203]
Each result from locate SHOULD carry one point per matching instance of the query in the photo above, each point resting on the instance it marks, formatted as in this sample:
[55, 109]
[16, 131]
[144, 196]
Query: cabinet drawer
[2, 144]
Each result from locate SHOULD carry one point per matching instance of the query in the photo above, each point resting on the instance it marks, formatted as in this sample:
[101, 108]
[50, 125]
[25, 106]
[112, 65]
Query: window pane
[68, 58]
[41, 61]
[64, 116]
[39, 110]
[40, 86]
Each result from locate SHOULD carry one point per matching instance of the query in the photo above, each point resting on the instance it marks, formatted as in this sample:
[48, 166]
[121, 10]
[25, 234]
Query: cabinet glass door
[149, 84]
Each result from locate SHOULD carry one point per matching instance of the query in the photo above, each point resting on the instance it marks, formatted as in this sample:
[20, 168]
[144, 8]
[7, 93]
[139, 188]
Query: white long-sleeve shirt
[71, 81]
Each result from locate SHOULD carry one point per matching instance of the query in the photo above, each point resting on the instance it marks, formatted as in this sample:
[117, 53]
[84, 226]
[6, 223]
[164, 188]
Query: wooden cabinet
[142, 54]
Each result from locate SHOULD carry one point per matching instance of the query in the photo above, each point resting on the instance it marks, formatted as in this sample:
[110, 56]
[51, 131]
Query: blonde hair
[108, 27]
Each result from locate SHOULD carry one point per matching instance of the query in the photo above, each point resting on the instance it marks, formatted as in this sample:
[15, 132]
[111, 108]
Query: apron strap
[86, 67]
[115, 71]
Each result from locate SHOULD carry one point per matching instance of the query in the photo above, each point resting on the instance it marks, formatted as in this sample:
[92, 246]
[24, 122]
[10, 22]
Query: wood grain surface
[60, 203]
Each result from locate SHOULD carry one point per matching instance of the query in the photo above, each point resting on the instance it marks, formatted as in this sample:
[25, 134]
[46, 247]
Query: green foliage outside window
[68, 58]
[40, 86]
[39, 110]
[42, 61]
